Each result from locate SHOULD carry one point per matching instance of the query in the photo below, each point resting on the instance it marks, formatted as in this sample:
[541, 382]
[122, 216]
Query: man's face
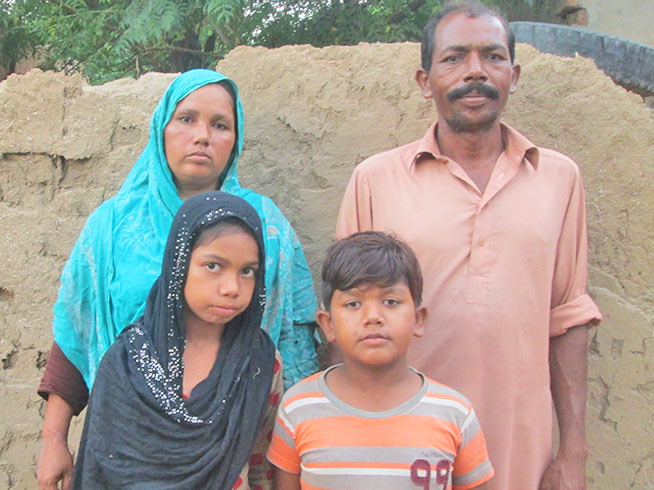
[471, 73]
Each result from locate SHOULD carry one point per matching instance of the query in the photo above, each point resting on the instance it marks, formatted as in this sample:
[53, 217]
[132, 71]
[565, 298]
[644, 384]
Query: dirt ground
[311, 116]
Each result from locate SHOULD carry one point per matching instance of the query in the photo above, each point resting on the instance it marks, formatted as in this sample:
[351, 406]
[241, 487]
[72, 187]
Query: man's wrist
[574, 452]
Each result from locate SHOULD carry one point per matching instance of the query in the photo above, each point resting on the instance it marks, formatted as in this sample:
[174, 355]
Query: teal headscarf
[118, 255]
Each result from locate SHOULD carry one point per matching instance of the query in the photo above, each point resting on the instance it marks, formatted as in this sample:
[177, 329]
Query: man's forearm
[569, 379]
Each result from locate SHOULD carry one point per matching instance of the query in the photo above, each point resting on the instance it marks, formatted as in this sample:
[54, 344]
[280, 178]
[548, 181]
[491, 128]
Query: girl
[180, 398]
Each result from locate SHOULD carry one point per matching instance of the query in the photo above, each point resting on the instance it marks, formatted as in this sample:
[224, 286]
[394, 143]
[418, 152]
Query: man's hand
[55, 465]
[565, 474]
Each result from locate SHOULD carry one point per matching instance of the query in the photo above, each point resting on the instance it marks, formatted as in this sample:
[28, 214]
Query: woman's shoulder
[272, 217]
[262, 203]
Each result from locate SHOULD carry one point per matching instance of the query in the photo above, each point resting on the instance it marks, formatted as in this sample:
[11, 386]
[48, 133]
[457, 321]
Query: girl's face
[199, 138]
[221, 278]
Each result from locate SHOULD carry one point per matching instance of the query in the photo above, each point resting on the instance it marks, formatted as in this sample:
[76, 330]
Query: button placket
[479, 257]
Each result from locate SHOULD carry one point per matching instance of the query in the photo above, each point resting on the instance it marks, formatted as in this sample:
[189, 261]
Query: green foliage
[108, 39]
[15, 42]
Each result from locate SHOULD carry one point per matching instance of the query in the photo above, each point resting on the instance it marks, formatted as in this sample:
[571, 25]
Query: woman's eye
[221, 126]
[185, 119]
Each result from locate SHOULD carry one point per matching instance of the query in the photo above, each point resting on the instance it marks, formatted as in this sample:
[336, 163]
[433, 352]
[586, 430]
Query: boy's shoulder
[307, 388]
[439, 394]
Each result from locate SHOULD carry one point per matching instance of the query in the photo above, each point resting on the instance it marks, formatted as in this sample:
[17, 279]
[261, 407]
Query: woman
[196, 138]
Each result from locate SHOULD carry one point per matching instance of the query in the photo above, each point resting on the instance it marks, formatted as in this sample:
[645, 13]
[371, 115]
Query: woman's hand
[55, 465]
[56, 461]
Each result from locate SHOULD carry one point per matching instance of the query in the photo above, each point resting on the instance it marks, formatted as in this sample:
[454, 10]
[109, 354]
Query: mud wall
[311, 116]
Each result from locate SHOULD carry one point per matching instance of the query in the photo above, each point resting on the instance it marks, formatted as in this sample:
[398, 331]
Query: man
[499, 227]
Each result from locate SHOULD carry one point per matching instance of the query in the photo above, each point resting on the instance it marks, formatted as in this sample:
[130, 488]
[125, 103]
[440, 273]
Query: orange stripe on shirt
[347, 431]
[474, 451]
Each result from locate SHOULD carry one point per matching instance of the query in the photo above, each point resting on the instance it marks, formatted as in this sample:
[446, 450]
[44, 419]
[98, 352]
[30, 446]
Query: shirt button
[481, 242]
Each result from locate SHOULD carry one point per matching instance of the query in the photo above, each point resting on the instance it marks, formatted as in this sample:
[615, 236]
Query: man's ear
[422, 79]
[515, 78]
[324, 319]
[421, 318]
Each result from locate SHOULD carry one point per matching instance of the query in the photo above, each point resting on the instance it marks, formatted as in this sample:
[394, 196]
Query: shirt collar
[517, 147]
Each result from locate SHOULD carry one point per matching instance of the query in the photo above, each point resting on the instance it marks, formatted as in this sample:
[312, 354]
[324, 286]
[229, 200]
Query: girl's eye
[249, 272]
[213, 267]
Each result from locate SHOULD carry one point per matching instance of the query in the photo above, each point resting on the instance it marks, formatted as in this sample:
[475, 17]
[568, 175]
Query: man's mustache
[479, 87]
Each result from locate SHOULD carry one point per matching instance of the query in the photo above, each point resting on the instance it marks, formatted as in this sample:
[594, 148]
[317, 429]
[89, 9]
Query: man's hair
[370, 258]
[471, 8]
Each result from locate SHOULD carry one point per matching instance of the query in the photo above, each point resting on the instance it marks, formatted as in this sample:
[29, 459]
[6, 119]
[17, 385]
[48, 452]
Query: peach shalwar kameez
[504, 271]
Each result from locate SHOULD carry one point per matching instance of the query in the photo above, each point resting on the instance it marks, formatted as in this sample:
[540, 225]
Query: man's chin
[458, 123]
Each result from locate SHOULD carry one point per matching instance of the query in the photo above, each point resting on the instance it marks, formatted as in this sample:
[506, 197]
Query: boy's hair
[473, 9]
[370, 257]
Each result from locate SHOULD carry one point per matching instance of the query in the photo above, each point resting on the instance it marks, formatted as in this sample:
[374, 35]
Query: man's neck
[475, 152]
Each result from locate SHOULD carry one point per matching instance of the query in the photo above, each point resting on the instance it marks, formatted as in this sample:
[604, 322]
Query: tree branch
[180, 50]
[400, 15]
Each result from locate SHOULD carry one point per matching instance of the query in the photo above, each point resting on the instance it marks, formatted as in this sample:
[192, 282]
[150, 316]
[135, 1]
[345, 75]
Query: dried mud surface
[311, 116]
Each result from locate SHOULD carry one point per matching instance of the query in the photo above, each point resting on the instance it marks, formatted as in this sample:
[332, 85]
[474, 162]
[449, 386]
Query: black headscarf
[139, 431]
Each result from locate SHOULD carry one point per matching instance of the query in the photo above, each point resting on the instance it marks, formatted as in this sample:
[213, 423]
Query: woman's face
[199, 138]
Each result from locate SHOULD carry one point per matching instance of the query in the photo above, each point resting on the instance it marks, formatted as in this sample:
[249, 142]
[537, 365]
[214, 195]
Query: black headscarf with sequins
[139, 431]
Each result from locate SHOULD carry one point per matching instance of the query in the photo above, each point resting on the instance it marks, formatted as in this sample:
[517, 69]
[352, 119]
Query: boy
[372, 422]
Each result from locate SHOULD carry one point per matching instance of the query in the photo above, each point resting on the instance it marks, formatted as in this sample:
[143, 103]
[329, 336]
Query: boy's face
[373, 325]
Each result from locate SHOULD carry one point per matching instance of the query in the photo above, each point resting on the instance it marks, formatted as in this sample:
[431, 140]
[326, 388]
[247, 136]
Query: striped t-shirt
[432, 441]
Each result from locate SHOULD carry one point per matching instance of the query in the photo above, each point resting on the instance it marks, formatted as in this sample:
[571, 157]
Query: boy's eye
[352, 304]
[391, 302]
